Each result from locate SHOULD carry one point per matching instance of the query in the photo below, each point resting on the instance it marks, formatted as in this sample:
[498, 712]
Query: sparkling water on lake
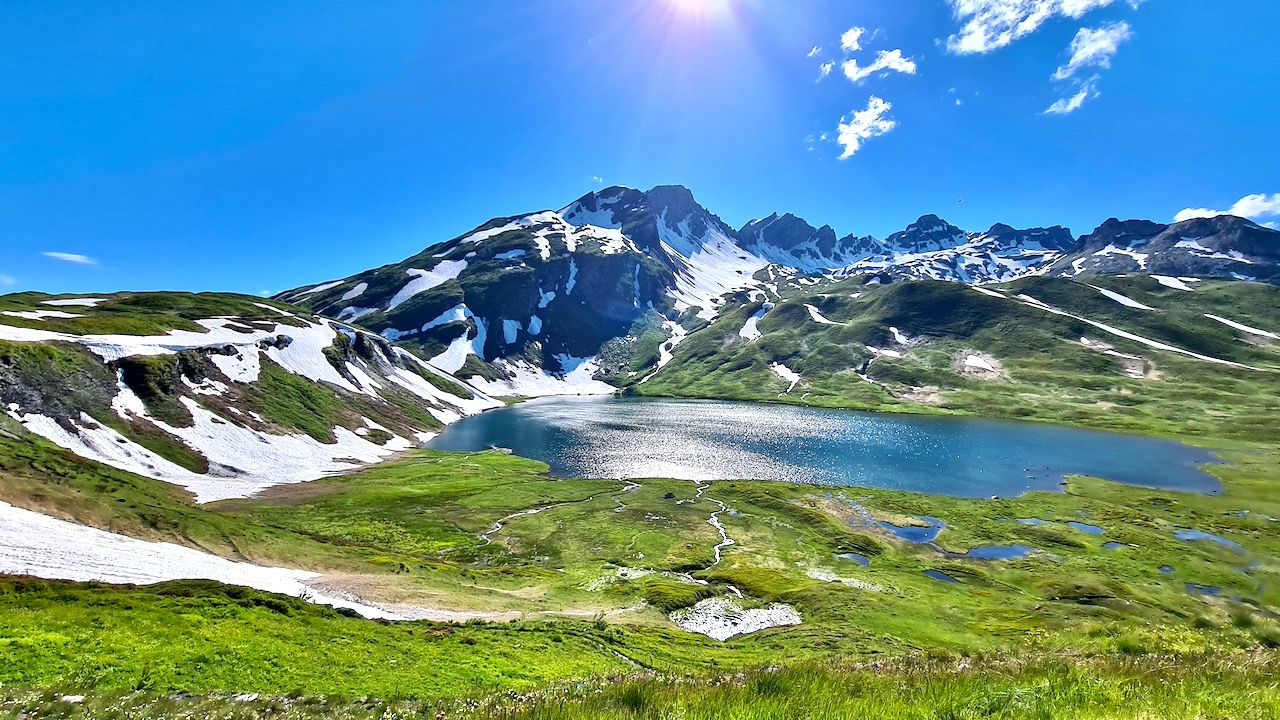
[621, 437]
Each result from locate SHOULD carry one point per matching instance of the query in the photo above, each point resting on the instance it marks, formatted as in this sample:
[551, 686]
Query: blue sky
[260, 146]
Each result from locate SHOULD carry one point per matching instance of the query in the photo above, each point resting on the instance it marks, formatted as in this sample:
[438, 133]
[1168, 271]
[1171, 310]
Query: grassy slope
[1050, 375]
[153, 313]
[408, 531]
[1231, 686]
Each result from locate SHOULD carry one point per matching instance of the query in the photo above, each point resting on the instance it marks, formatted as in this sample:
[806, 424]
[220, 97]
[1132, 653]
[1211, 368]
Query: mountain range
[555, 301]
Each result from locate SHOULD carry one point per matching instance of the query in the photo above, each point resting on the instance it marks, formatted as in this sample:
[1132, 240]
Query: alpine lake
[702, 440]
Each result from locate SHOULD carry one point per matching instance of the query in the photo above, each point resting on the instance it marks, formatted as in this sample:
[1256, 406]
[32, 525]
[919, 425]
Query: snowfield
[45, 547]
[529, 381]
[424, 280]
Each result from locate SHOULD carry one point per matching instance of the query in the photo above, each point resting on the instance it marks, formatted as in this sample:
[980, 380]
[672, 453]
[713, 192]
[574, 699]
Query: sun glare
[702, 8]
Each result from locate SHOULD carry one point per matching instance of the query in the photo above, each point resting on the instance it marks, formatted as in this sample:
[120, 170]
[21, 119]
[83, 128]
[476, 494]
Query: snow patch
[1244, 328]
[1112, 249]
[320, 288]
[573, 277]
[785, 373]
[527, 380]
[511, 330]
[424, 280]
[1169, 282]
[45, 547]
[243, 367]
[1126, 301]
[74, 302]
[749, 330]
[40, 314]
[355, 292]
[818, 317]
[721, 619]
[974, 361]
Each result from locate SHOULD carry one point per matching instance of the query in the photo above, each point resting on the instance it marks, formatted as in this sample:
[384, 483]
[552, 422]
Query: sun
[702, 8]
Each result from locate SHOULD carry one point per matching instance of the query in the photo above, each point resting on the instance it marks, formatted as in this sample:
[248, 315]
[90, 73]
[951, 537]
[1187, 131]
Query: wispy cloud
[825, 69]
[1088, 89]
[6, 280]
[851, 40]
[865, 124]
[71, 258]
[1094, 48]
[815, 52]
[1252, 207]
[886, 60]
[993, 24]
[597, 179]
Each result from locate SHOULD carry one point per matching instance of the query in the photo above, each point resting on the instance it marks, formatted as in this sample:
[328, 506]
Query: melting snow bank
[721, 618]
[787, 374]
[749, 329]
[1243, 328]
[818, 317]
[242, 461]
[1027, 299]
[1123, 300]
[45, 547]
[526, 380]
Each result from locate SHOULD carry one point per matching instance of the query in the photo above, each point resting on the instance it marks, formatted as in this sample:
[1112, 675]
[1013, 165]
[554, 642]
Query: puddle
[1166, 569]
[862, 560]
[1086, 528]
[917, 535]
[1000, 552]
[939, 575]
[1116, 546]
[1192, 535]
[1034, 521]
[1204, 589]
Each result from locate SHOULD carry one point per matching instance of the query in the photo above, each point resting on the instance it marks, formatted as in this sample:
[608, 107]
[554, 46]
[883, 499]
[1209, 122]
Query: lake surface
[620, 437]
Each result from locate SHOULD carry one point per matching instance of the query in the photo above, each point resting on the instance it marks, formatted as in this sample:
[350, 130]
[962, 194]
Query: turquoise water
[618, 437]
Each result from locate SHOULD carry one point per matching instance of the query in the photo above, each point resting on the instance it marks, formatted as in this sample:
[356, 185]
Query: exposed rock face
[1223, 246]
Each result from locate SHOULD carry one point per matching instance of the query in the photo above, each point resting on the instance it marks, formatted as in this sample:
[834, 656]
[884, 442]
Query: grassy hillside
[1235, 685]
[1042, 369]
[550, 602]
[569, 584]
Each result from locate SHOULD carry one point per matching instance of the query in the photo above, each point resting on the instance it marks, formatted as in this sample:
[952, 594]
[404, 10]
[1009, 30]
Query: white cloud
[814, 52]
[992, 24]
[597, 179]
[1249, 206]
[71, 258]
[851, 40]
[825, 69]
[1094, 48]
[6, 280]
[1088, 89]
[865, 125]
[886, 60]
[1255, 206]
